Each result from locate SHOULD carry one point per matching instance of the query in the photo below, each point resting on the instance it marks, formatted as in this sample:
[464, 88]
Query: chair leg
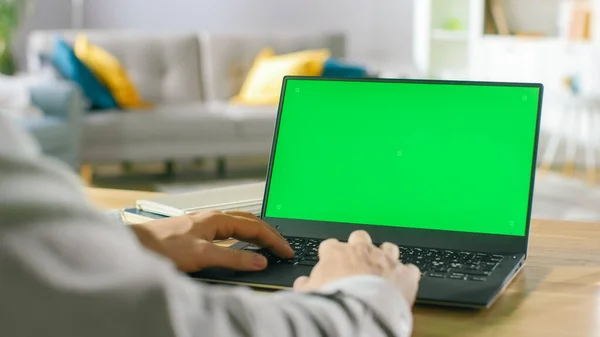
[221, 168]
[590, 153]
[87, 174]
[169, 168]
[572, 139]
[126, 166]
[549, 155]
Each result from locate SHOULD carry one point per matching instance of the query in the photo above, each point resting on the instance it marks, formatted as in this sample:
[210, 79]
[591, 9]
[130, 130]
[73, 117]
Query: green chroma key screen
[448, 157]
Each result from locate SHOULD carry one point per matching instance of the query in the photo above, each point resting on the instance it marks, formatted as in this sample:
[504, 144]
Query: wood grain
[107, 199]
[557, 293]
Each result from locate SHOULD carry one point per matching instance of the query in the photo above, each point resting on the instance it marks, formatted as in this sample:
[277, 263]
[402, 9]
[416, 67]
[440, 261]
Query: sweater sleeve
[67, 270]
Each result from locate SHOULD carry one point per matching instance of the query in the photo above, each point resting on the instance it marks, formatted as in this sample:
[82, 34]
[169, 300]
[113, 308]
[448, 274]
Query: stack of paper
[137, 216]
[247, 198]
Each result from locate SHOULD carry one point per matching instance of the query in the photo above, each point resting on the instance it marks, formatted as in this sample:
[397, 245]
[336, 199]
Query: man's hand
[360, 257]
[187, 240]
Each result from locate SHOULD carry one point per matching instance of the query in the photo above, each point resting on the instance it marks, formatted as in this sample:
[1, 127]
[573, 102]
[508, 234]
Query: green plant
[12, 13]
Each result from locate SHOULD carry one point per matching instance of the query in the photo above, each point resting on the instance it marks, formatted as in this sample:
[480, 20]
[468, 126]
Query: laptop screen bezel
[501, 244]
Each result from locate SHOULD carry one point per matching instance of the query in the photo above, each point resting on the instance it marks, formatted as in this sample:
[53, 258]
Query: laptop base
[432, 291]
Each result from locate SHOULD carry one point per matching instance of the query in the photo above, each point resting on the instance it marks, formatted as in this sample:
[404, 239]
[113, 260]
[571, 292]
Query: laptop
[443, 169]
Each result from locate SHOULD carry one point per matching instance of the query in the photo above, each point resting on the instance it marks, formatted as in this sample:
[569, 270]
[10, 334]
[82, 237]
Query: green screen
[451, 157]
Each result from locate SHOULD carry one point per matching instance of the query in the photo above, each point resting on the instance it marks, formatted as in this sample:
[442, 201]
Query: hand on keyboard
[188, 240]
[433, 263]
[359, 256]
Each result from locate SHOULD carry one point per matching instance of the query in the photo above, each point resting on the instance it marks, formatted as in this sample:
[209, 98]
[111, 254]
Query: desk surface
[557, 293]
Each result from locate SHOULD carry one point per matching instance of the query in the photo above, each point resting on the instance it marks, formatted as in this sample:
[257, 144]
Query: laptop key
[470, 272]
[307, 263]
[457, 276]
[487, 266]
[422, 265]
[495, 258]
[455, 265]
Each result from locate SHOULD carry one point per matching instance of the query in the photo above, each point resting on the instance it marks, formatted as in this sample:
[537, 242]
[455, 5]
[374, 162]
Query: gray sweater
[67, 270]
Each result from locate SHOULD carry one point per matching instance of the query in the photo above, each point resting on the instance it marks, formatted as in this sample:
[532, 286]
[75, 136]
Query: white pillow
[15, 96]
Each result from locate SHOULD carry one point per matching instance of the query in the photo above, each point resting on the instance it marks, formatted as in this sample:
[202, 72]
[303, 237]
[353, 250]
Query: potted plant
[12, 14]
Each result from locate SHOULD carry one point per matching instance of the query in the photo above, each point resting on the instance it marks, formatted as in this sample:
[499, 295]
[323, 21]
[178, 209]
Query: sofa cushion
[73, 69]
[338, 68]
[52, 133]
[164, 67]
[166, 122]
[263, 84]
[250, 121]
[111, 73]
[227, 59]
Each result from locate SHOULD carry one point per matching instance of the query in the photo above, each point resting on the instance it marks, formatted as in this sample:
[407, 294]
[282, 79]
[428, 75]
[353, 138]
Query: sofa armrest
[58, 99]
[61, 99]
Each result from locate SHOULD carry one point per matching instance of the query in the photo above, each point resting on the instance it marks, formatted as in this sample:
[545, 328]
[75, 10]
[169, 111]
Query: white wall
[47, 14]
[378, 30]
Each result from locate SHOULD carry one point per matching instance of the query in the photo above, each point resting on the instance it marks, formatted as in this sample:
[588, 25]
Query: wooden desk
[557, 294]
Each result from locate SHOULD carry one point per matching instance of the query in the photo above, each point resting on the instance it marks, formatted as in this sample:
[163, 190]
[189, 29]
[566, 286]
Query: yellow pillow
[263, 83]
[110, 72]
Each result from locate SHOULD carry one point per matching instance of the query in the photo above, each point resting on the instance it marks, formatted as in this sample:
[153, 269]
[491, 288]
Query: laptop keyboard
[434, 263]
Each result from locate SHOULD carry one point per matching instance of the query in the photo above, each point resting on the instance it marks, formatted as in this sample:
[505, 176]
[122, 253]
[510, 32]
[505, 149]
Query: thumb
[301, 283]
[412, 276]
[216, 256]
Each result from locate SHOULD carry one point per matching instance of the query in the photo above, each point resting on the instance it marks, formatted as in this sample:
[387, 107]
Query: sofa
[190, 77]
[58, 133]
[50, 111]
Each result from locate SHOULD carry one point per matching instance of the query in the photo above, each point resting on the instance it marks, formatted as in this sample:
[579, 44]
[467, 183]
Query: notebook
[247, 197]
[137, 216]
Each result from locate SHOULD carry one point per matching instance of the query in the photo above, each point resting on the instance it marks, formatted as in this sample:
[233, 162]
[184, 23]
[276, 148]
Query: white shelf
[449, 35]
[443, 52]
[535, 39]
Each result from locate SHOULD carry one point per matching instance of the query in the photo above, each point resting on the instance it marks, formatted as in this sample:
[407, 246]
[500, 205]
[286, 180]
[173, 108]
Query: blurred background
[170, 95]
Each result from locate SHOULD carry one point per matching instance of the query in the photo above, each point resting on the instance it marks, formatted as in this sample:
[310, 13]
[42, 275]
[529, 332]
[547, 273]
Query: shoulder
[14, 140]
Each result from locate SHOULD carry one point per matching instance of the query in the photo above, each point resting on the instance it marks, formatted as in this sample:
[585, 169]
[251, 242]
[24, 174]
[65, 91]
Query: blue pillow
[73, 69]
[337, 68]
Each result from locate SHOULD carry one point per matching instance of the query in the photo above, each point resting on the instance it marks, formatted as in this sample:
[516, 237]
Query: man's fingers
[300, 283]
[391, 250]
[327, 245]
[412, 275]
[414, 272]
[252, 217]
[359, 237]
[249, 230]
[216, 256]
[266, 237]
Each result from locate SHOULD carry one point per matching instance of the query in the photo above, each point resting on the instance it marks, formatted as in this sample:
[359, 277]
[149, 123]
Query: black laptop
[443, 169]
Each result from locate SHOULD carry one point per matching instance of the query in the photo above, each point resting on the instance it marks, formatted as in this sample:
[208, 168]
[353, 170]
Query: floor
[556, 196]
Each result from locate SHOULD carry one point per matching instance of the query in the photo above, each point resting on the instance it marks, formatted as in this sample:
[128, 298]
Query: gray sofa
[190, 77]
[58, 132]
